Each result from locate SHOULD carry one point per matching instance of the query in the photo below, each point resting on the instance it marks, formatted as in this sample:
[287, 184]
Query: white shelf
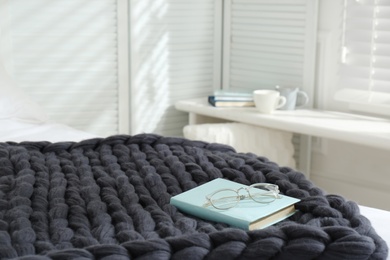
[370, 131]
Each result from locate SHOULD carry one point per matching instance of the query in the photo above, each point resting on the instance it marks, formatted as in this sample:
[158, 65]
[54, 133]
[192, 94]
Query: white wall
[357, 172]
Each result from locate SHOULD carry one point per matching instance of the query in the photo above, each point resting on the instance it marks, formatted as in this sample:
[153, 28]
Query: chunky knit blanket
[109, 199]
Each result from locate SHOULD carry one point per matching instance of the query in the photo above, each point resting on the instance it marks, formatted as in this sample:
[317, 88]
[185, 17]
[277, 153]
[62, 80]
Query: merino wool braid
[109, 199]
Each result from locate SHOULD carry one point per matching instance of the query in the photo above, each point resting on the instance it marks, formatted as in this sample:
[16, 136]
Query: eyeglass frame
[273, 189]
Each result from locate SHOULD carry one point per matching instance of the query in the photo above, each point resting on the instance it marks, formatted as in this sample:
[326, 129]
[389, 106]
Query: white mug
[266, 101]
[295, 98]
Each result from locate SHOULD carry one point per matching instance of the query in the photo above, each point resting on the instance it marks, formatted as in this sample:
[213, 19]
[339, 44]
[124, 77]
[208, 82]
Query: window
[364, 81]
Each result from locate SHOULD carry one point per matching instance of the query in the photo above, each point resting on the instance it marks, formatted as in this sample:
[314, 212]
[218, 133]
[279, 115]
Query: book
[230, 102]
[233, 93]
[232, 98]
[247, 214]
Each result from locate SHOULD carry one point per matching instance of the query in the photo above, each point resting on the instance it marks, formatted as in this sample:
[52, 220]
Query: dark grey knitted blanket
[109, 199]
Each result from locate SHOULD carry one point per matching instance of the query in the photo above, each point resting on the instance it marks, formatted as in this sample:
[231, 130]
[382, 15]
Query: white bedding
[380, 220]
[19, 131]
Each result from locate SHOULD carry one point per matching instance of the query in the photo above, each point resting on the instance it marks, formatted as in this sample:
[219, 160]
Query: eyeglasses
[229, 198]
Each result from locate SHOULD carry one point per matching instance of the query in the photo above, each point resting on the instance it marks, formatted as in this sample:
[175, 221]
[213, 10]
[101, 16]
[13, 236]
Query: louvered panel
[170, 120]
[266, 44]
[269, 43]
[269, 38]
[272, 67]
[65, 56]
[172, 50]
[253, 79]
[267, 24]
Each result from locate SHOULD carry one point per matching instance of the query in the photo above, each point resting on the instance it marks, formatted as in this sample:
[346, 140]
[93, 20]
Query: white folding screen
[64, 53]
[364, 80]
[269, 43]
[68, 54]
[174, 45]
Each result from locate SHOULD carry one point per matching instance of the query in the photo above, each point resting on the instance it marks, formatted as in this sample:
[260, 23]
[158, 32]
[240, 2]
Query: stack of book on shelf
[246, 214]
[231, 98]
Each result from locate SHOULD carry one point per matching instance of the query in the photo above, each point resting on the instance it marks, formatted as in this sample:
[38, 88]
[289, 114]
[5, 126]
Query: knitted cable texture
[109, 199]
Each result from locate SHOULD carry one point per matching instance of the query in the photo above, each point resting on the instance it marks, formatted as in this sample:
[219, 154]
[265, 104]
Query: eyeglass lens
[225, 199]
[261, 194]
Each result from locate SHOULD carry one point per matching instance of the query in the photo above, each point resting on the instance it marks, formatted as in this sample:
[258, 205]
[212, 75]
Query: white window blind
[269, 43]
[365, 59]
[65, 56]
[174, 50]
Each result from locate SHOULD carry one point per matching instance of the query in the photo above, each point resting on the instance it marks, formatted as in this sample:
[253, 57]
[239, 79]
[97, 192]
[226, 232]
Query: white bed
[14, 130]
[23, 120]
[19, 131]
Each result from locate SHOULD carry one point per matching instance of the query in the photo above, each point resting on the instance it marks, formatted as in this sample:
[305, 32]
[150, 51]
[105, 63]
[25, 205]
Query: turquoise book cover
[233, 93]
[246, 214]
